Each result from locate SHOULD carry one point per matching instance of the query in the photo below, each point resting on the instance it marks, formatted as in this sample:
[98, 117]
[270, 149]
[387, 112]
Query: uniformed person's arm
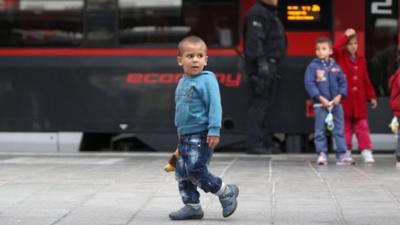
[255, 36]
[254, 44]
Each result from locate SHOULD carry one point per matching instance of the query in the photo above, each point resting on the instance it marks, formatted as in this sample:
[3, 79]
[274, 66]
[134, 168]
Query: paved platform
[132, 189]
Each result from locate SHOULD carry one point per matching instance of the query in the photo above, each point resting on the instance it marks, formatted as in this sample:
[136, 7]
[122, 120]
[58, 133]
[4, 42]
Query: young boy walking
[198, 115]
[360, 91]
[326, 86]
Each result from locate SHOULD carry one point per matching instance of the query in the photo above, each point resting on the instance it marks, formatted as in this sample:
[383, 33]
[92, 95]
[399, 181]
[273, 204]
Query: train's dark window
[101, 23]
[306, 14]
[41, 23]
[165, 22]
[381, 41]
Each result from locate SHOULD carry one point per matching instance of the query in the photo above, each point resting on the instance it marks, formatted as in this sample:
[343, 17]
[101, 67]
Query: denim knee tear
[193, 157]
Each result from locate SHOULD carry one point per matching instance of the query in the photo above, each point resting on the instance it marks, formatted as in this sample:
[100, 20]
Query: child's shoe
[229, 200]
[187, 212]
[345, 160]
[367, 156]
[322, 159]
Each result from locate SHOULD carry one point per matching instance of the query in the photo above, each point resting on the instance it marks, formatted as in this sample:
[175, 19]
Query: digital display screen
[302, 12]
[306, 14]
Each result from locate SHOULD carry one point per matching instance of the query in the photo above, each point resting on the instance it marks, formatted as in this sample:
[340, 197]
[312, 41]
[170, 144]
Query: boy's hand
[374, 103]
[336, 100]
[325, 103]
[212, 141]
[349, 32]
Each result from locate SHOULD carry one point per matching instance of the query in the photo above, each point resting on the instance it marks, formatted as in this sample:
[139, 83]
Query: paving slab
[132, 189]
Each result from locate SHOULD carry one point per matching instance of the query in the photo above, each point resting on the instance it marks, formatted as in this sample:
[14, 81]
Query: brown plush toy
[170, 167]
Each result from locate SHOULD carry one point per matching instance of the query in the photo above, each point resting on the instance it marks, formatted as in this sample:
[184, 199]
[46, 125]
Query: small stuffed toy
[394, 125]
[170, 167]
[329, 120]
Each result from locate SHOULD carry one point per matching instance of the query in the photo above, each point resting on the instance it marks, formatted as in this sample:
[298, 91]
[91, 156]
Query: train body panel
[111, 68]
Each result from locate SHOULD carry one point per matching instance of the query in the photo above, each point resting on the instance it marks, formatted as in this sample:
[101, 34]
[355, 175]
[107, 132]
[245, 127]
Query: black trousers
[263, 92]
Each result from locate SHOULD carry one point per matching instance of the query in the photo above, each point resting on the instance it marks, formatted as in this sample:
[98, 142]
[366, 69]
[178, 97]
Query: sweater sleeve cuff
[316, 98]
[213, 132]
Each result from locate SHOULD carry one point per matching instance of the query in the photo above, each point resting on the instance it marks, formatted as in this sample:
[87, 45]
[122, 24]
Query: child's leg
[188, 192]
[196, 156]
[320, 140]
[338, 131]
[362, 133]
[187, 189]
[348, 131]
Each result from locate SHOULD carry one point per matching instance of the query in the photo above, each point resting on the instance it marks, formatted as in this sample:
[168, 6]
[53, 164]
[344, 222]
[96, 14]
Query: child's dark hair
[324, 40]
[350, 38]
[190, 39]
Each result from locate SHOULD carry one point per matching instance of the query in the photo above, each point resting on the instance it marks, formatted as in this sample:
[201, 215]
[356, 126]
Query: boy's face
[193, 59]
[352, 46]
[323, 50]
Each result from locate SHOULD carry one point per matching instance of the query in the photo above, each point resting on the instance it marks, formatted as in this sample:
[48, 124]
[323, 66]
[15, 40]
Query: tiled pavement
[132, 189]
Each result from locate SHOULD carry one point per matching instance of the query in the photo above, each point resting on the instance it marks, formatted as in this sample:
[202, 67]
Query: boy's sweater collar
[204, 72]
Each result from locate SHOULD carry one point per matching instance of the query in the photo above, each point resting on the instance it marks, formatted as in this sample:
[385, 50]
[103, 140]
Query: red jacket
[359, 87]
[394, 88]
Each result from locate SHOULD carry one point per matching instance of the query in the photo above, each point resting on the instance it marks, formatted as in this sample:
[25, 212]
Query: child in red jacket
[359, 92]
[394, 88]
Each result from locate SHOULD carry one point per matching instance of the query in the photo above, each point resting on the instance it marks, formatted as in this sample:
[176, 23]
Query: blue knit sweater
[198, 104]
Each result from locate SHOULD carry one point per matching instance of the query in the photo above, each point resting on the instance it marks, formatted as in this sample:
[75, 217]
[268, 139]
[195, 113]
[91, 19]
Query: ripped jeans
[191, 168]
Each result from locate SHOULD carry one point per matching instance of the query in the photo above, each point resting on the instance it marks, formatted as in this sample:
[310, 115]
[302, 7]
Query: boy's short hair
[190, 39]
[324, 40]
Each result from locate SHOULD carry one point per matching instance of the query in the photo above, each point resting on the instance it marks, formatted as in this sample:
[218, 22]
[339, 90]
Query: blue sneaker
[187, 213]
[229, 200]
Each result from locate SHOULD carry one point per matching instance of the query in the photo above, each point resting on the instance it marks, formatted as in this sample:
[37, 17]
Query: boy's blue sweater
[198, 104]
[324, 78]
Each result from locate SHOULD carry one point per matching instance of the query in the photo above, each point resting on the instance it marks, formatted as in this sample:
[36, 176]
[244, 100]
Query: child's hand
[212, 141]
[374, 103]
[336, 100]
[349, 32]
[325, 103]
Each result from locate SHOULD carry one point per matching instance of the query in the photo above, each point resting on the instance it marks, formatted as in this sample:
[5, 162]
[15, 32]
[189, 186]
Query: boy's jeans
[191, 167]
[320, 139]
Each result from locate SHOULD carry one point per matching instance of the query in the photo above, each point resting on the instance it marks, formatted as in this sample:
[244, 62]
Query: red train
[105, 71]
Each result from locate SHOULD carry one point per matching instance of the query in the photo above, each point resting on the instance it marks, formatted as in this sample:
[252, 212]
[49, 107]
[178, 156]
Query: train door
[381, 44]
[377, 26]
[381, 41]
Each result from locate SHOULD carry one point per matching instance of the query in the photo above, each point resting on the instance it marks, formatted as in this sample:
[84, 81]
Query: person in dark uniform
[265, 47]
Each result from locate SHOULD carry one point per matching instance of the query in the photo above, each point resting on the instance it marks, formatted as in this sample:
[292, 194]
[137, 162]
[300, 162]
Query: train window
[306, 14]
[165, 22]
[381, 41]
[42, 23]
[101, 23]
